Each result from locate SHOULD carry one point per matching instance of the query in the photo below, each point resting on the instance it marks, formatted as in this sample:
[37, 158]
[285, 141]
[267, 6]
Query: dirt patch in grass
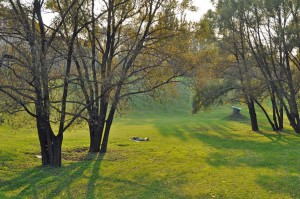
[236, 117]
[123, 145]
[78, 154]
[115, 155]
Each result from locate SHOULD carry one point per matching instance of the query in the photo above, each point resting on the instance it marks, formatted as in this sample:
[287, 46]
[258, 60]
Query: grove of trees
[257, 58]
[91, 57]
[86, 62]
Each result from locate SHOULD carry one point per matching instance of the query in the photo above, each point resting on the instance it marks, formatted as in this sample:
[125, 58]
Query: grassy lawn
[208, 155]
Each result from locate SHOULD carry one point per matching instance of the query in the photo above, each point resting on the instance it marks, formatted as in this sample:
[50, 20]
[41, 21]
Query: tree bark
[95, 136]
[49, 143]
[294, 121]
[57, 143]
[280, 117]
[253, 117]
[107, 129]
[273, 125]
[277, 112]
[43, 145]
[110, 118]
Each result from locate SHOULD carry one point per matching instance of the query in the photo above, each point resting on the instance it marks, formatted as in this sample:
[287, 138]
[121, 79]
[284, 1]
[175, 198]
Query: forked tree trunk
[277, 112]
[96, 126]
[294, 122]
[109, 120]
[273, 125]
[253, 117]
[50, 144]
[294, 114]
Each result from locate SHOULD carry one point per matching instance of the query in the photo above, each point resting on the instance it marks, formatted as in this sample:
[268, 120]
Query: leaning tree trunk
[110, 118]
[294, 121]
[107, 129]
[273, 125]
[253, 117]
[277, 112]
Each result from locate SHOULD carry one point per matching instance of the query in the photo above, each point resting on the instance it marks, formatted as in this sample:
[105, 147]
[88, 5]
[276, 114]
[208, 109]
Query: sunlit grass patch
[188, 156]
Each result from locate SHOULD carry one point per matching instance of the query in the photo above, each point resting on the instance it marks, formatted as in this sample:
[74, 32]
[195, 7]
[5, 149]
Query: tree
[233, 70]
[125, 45]
[269, 33]
[122, 59]
[32, 56]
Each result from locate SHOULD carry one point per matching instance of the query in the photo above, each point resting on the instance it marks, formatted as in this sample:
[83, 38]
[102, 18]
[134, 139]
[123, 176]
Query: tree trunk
[107, 129]
[296, 126]
[253, 117]
[95, 136]
[57, 142]
[280, 117]
[96, 125]
[276, 118]
[50, 144]
[43, 145]
[273, 125]
[294, 122]
[277, 112]
[110, 119]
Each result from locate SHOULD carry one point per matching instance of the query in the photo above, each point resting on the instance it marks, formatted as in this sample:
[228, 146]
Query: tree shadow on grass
[288, 184]
[53, 181]
[170, 131]
[161, 186]
[275, 136]
[83, 179]
[186, 132]
[91, 187]
[126, 188]
[236, 152]
[278, 151]
[235, 149]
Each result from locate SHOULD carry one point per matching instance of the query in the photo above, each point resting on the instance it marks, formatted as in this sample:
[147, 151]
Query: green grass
[208, 155]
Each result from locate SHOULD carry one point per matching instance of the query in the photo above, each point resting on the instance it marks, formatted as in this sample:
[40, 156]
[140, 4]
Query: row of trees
[92, 55]
[258, 58]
